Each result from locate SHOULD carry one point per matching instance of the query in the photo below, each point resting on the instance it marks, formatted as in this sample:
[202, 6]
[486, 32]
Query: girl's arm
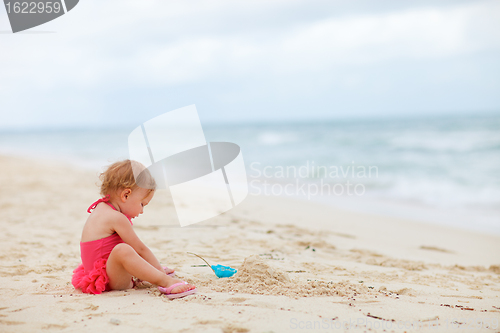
[123, 228]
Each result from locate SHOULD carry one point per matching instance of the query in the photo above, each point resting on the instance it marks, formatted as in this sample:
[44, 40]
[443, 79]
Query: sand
[301, 266]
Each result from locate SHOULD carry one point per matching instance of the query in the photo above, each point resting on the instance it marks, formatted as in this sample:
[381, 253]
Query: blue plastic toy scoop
[219, 270]
[223, 271]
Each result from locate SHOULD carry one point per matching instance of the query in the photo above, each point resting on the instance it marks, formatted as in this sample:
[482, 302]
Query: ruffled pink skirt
[93, 282]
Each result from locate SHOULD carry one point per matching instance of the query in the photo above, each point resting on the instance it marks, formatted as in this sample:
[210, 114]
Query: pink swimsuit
[91, 275]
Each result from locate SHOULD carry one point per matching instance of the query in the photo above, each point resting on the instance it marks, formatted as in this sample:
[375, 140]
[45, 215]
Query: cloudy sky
[121, 62]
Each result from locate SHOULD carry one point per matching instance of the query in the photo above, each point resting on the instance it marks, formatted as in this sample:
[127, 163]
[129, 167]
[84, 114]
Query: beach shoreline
[330, 265]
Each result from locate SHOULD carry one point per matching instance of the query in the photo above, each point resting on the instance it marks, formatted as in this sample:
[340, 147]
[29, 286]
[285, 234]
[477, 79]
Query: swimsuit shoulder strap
[105, 199]
[94, 205]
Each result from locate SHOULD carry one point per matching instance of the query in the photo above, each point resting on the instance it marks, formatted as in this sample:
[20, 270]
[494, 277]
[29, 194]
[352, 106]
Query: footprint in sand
[435, 248]
[234, 329]
[236, 300]
[208, 322]
[51, 326]
[11, 322]
[92, 307]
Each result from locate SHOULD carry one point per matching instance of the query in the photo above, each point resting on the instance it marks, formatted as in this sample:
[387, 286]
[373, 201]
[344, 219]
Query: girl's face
[133, 201]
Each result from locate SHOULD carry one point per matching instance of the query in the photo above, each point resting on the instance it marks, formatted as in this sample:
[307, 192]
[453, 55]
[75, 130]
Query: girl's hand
[168, 270]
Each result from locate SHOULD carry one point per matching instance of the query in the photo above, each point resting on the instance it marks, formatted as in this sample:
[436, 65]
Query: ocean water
[447, 167]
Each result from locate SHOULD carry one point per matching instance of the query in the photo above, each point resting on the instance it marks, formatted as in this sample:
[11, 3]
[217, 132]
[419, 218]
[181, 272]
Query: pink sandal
[168, 291]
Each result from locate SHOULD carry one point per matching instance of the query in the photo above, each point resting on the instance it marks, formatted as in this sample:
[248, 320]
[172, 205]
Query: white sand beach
[302, 266]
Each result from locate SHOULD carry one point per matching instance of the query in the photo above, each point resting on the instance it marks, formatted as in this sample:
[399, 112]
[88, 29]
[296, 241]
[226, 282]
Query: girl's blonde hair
[120, 175]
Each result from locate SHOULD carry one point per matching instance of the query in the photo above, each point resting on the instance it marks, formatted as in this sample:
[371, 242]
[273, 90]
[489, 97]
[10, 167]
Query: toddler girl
[112, 253]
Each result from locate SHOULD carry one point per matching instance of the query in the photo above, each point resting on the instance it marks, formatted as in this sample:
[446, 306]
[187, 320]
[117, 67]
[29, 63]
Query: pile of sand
[258, 276]
[256, 271]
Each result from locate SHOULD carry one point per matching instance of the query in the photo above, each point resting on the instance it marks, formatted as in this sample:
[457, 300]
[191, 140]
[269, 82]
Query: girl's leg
[123, 263]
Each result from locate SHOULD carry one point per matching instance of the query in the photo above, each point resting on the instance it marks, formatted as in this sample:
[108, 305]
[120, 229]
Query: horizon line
[311, 120]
